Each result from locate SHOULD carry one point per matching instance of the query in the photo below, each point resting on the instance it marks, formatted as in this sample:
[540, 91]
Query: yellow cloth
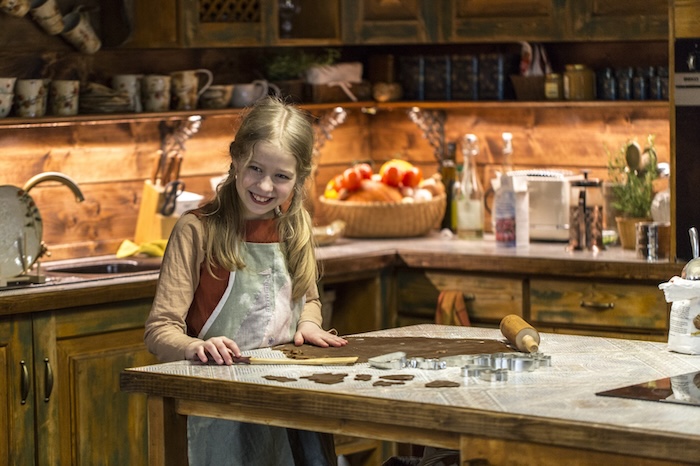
[154, 248]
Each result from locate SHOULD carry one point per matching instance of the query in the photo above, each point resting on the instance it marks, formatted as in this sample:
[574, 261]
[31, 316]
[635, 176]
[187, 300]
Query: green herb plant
[290, 64]
[632, 178]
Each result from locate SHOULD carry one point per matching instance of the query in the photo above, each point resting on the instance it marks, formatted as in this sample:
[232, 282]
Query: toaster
[548, 192]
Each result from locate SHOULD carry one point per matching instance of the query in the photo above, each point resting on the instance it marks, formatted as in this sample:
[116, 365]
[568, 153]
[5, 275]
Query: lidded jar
[579, 83]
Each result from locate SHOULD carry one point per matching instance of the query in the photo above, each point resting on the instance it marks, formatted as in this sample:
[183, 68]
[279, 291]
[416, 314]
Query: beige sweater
[166, 331]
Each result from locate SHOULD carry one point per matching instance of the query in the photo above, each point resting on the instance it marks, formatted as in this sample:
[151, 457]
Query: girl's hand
[308, 332]
[221, 349]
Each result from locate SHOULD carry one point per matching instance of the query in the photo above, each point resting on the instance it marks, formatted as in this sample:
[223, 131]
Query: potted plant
[285, 68]
[631, 172]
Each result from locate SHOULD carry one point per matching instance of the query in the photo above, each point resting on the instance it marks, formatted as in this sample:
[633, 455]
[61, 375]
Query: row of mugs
[74, 27]
[183, 90]
[32, 97]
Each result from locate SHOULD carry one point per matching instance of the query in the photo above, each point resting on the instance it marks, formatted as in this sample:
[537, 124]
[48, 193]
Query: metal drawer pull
[48, 380]
[597, 306]
[24, 382]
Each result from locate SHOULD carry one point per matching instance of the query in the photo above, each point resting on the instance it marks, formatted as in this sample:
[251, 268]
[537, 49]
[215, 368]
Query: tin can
[553, 87]
[579, 83]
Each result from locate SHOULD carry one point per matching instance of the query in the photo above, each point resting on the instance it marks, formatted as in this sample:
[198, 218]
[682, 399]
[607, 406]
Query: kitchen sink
[105, 267]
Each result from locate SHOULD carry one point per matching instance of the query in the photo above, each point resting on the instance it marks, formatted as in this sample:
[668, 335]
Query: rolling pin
[342, 361]
[520, 333]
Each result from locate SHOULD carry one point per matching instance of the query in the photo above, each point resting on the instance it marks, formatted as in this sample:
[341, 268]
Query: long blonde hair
[290, 129]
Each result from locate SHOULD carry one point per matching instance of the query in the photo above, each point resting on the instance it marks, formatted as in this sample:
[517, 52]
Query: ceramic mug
[47, 15]
[63, 95]
[217, 96]
[155, 90]
[249, 93]
[129, 84]
[6, 104]
[30, 97]
[186, 89]
[17, 8]
[79, 32]
[7, 85]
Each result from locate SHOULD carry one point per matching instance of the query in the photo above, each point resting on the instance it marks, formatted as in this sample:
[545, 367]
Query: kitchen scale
[680, 389]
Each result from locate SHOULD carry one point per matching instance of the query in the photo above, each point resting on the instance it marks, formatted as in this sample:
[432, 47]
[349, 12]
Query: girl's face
[267, 181]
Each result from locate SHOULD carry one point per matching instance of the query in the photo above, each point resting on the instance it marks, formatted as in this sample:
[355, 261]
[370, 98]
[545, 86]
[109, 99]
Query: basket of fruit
[396, 202]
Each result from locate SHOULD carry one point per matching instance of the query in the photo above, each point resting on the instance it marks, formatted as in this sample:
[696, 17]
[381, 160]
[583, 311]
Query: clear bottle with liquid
[504, 200]
[469, 199]
[448, 170]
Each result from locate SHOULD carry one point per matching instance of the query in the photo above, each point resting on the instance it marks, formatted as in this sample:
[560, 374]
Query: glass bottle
[448, 171]
[504, 199]
[469, 202]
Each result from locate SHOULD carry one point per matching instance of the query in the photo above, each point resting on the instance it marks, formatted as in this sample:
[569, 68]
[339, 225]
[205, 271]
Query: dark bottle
[448, 170]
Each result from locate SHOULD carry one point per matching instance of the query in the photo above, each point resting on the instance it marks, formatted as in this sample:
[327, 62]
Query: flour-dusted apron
[255, 311]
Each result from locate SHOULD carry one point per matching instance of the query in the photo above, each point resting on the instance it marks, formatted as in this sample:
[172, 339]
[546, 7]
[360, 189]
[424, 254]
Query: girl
[240, 273]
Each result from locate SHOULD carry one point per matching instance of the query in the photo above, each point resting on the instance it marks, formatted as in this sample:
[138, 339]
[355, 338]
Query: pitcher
[185, 87]
[249, 93]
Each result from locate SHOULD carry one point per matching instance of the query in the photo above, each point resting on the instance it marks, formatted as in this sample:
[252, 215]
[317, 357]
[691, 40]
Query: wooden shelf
[111, 118]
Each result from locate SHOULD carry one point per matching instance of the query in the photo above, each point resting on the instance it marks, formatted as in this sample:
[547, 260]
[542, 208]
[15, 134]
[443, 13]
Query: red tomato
[338, 182]
[365, 170]
[391, 176]
[352, 179]
[412, 177]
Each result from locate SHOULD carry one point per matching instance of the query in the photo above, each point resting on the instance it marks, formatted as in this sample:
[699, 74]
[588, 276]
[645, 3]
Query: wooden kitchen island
[550, 416]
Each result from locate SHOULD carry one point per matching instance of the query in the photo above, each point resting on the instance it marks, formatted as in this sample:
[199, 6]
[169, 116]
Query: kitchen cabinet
[504, 20]
[600, 306]
[592, 307]
[74, 411]
[488, 297]
[554, 20]
[397, 22]
[620, 20]
[239, 23]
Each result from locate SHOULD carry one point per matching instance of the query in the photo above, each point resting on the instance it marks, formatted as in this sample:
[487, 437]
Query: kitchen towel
[451, 309]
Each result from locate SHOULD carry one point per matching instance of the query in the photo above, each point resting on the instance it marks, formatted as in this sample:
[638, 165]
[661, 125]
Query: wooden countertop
[348, 256]
[550, 411]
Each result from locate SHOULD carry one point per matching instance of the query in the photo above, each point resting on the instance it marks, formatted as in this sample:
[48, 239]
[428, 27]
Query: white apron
[255, 311]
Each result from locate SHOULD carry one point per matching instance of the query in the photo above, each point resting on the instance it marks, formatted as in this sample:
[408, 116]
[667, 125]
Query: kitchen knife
[341, 361]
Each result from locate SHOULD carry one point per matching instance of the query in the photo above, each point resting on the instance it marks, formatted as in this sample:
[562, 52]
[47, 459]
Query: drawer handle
[597, 306]
[48, 380]
[24, 382]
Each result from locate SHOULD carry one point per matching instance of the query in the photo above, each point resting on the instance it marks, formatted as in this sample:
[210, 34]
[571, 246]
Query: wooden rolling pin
[342, 361]
[520, 333]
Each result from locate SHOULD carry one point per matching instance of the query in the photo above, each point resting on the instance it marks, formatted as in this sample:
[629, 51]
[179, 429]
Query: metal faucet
[55, 176]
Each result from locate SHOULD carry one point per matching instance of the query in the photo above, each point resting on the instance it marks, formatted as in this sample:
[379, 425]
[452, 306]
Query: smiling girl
[240, 273]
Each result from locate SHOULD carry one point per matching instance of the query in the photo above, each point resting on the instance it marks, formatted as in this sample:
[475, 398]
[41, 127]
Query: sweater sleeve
[166, 330]
[312, 307]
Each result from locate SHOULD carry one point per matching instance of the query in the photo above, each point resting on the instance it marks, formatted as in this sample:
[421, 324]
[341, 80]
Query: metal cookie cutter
[494, 375]
[395, 360]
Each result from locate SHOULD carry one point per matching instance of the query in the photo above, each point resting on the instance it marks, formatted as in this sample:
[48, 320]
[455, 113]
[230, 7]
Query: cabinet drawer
[488, 298]
[632, 306]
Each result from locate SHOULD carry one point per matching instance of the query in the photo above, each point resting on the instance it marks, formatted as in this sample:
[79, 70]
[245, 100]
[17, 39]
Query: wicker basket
[386, 219]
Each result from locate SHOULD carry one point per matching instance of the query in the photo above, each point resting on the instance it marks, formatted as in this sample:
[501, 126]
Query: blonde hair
[290, 129]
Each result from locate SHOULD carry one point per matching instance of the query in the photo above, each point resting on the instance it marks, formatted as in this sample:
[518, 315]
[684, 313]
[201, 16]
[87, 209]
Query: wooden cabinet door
[228, 23]
[17, 439]
[626, 308]
[618, 20]
[96, 422]
[488, 298]
[503, 20]
[392, 22]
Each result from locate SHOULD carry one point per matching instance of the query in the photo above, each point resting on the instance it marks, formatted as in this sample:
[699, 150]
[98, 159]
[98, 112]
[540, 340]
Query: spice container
[579, 83]
[554, 87]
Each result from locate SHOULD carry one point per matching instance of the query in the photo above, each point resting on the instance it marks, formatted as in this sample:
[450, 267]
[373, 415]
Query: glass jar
[554, 87]
[579, 83]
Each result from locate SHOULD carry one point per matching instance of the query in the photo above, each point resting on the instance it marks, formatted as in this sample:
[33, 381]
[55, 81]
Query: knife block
[150, 224]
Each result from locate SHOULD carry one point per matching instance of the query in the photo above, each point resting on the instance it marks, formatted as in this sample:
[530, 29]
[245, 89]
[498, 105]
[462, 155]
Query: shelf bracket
[432, 123]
